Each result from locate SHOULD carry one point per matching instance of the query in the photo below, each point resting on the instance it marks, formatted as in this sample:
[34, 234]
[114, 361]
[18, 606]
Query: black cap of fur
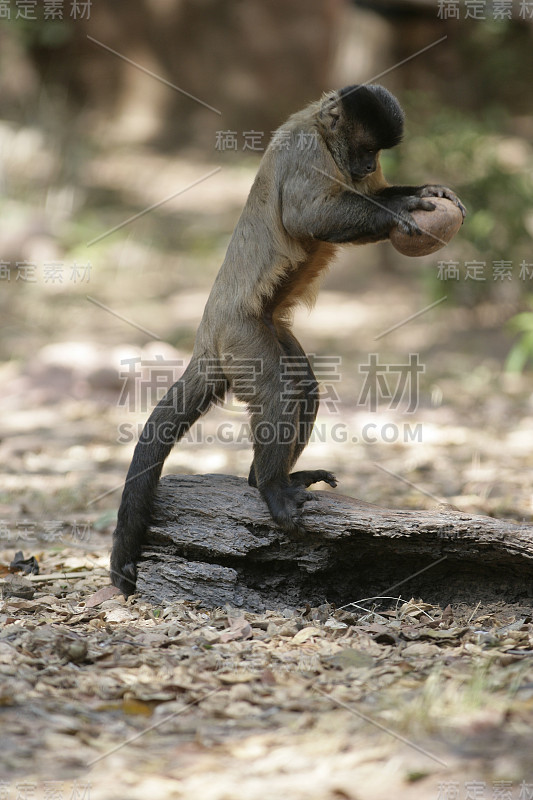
[377, 110]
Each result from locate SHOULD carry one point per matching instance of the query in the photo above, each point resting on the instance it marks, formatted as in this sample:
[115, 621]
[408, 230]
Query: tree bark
[212, 540]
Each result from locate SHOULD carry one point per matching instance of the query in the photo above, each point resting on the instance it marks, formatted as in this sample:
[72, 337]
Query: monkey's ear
[330, 112]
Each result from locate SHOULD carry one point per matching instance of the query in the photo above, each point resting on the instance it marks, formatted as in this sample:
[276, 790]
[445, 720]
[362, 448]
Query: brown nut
[438, 227]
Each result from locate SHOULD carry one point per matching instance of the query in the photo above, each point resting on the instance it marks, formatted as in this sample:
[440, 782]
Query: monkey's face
[355, 150]
[357, 122]
[362, 159]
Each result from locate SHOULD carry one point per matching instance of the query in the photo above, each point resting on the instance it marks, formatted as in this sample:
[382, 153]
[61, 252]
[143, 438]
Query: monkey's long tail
[177, 411]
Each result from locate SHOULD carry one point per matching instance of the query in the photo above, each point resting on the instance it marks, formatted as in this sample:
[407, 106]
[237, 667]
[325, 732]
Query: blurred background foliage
[64, 99]
[76, 117]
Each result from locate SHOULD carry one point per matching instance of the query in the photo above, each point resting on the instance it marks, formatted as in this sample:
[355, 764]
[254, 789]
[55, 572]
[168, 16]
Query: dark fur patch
[377, 110]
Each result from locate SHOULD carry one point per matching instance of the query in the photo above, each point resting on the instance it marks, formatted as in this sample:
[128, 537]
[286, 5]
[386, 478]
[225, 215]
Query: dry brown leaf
[151, 639]
[306, 633]
[450, 633]
[240, 709]
[237, 677]
[420, 649]
[239, 628]
[105, 593]
[267, 677]
[119, 614]
[416, 609]
[350, 658]
[130, 705]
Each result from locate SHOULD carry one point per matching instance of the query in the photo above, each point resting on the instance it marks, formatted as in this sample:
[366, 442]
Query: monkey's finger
[435, 191]
[303, 498]
[296, 525]
[443, 191]
[416, 202]
[455, 200]
[426, 205]
[323, 475]
[459, 205]
[407, 225]
[449, 195]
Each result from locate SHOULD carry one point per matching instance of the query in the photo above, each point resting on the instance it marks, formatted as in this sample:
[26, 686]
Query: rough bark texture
[212, 540]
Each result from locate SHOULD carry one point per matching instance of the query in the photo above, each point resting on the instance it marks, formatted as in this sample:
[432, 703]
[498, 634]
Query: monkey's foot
[285, 505]
[308, 476]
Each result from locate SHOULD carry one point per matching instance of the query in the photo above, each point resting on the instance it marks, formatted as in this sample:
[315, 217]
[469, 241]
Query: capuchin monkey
[319, 185]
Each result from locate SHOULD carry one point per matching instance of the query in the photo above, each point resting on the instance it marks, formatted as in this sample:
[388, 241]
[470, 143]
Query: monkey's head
[356, 123]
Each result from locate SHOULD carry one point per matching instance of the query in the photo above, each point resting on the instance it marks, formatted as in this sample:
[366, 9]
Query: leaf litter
[86, 676]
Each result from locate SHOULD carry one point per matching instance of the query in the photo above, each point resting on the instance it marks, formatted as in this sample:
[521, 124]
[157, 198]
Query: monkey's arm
[351, 216]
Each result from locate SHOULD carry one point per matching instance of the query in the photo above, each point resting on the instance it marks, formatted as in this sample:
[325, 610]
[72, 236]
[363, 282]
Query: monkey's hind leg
[307, 411]
[279, 434]
[306, 387]
[274, 434]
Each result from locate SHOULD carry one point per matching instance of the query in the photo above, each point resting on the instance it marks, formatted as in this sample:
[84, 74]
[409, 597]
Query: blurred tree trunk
[255, 62]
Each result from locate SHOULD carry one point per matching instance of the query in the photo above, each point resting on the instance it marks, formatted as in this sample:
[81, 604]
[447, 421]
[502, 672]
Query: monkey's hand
[123, 569]
[431, 190]
[400, 208]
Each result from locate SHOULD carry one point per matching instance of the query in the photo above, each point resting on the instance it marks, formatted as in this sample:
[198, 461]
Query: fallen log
[212, 540]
